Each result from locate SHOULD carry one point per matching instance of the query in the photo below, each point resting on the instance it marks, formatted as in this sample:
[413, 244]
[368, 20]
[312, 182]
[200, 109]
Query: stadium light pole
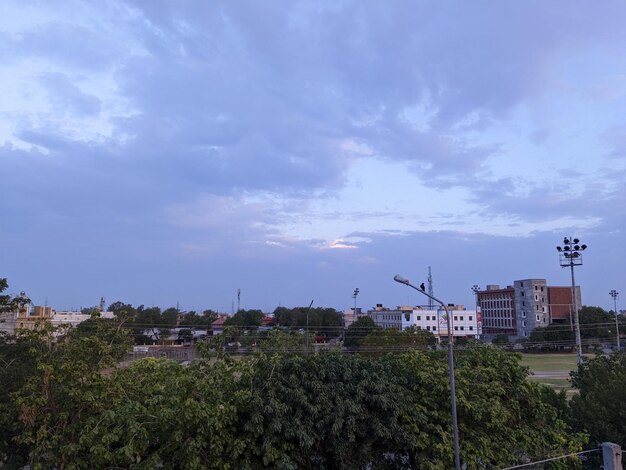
[614, 294]
[570, 254]
[354, 296]
[476, 290]
[455, 425]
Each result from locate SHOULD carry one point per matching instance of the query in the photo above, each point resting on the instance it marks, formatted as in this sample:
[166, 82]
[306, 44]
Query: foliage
[600, 406]
[67, 406]
[64, 388]
[501, 340]
[390, 340]
[193, 319]
[326, 322]
[551, 337]
[10, 303]
[357, 331]
[19, 356]
[596, 323]
[245, 319]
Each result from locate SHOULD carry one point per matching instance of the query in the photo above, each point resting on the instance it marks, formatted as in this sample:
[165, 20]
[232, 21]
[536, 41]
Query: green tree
[599, 408]
[325, 322]
[66, 386]
[9, 303]
[357, 331]
[245, 319]
[19, 356]
[501, 340]
[391, 340]
[551, 337]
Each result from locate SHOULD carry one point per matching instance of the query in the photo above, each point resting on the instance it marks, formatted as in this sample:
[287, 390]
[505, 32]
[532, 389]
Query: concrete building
[465, 323]
[527, 304]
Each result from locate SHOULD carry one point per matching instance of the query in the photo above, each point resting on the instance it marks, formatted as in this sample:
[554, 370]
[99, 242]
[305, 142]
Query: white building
[465, 323]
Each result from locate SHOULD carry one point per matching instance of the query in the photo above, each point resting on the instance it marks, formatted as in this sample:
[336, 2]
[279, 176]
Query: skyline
[156, 153]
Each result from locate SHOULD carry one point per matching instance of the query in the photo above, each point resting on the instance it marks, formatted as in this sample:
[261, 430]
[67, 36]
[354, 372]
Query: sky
[160, 152]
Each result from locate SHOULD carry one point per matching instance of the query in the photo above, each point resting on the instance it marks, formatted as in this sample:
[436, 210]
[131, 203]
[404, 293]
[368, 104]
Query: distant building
[465, 323]
[350, 316]
[529, 303]
[30, 318]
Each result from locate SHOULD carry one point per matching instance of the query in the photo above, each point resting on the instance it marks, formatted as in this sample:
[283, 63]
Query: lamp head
[558, 248]
[401, 279]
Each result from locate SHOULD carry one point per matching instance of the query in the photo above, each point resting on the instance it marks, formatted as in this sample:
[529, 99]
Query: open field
[552, 370]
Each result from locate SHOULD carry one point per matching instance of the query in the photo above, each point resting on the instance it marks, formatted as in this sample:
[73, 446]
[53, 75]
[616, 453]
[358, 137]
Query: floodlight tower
[614, 294]
[355, 294]
[570, 254]
[476, 290]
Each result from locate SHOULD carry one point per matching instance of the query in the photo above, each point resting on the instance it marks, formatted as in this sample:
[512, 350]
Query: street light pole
[354, 296]
[571, 255]
[614, 294]
[476, 290]
[307, 327]
[455, 425]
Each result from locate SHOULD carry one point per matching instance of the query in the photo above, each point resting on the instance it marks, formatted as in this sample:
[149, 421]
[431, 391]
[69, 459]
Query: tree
[10, 303]
[391, 340]
[325, 322]
[357, 331]
[501, 340]
[551, 337]
[67, 385]
[599, 408]
[245, 319]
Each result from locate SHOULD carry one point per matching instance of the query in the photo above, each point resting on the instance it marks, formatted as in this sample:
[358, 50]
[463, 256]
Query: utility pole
[614, 294]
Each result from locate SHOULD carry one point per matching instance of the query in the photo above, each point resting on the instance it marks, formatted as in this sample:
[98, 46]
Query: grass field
[549, 362]
[552, 370]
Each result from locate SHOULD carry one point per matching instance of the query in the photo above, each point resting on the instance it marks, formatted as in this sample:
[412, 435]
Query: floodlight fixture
[570, 256]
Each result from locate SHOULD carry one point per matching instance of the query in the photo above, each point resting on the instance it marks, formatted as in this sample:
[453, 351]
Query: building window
[461, 318]
[470, 318]
[524, 323]
[419, 317]
[428, 328]
[434, 328]
[455, 318]
[462, 328]
[537, 317]
[471, 328]
[456, 328]
[541, 288]
[522, 293]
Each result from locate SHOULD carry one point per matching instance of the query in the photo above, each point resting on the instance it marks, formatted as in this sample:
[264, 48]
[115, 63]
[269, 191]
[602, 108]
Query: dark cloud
[211, 104]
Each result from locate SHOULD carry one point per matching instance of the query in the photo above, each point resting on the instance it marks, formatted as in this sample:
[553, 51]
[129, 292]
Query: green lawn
[558, 364]
[549, 362]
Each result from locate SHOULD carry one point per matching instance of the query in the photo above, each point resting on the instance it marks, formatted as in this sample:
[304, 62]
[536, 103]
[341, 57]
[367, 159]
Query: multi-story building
[529, 303]
[464, 322]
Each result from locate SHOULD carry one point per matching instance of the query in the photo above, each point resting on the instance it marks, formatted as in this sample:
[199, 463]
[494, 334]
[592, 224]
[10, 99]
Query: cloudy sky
[163, 151]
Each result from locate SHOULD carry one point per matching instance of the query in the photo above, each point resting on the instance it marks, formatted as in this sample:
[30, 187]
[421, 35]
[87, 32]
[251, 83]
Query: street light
[354, 296]
[614, 294]
[570, 254]
[455, 425]
[476, 290]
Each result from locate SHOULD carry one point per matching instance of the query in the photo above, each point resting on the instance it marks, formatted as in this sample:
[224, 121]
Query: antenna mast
[430, 289]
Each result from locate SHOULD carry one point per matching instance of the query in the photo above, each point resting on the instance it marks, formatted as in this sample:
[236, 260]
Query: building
[350, 316]
[465, 323]
[527, 304]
